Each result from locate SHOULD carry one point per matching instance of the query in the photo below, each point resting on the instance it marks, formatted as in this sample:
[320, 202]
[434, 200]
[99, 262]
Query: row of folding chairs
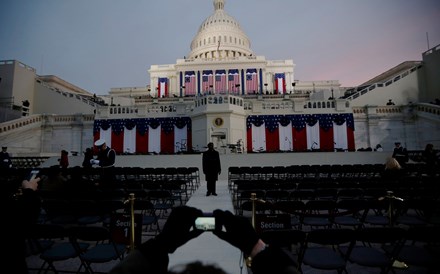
[276, 190]
[153, 205]
[347, 250]
[27, 162]
[306, 171]
[88, 246]
[322, 172]
[314, 214]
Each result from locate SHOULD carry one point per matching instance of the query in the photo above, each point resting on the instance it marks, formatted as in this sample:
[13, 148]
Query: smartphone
[33, 174]
[206, 223]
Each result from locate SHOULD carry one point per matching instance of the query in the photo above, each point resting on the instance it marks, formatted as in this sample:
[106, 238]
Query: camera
[205, 223]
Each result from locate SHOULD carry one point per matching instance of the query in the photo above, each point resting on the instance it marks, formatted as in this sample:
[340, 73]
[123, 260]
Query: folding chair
[292, 240]
[350, 213]
[319, 213]
[52, 243]
[421, 248]
[369, 249]
[322, 248]
[102, 248]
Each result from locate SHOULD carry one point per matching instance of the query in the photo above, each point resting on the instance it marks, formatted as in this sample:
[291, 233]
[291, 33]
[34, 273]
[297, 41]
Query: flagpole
[427, 39]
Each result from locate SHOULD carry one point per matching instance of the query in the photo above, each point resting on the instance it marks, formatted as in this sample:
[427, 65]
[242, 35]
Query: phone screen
[33, 174]
[205, 223]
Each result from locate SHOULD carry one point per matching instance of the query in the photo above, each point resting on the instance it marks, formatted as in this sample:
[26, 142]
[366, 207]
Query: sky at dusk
[102, 44]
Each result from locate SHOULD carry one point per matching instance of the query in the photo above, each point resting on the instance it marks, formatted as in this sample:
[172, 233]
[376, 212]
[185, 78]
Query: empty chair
[294, 208]
[162, 201]
[274, 196]
[178, 190]
[322, 248]
[86, 211]
[302, 195]
[149, 218]
[51, 241]
[350, 193]
[377, 213]
[350, 212]
[414, 212]
[421, 248]
[319, 213]
[368, 250]
[59, 211]
[102, 248]
[290, 239]
[326, 193]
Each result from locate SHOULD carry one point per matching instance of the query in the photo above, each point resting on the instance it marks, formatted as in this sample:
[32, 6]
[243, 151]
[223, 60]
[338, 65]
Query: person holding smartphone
[21, 206]
[181, 227]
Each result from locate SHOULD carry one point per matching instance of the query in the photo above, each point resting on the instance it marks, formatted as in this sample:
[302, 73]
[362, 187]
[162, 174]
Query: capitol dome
[220, 36]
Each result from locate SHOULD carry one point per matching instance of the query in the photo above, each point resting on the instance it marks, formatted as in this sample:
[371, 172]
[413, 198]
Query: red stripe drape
[326, 139]
[118, 142]
[142, 143]
[299, 139]
[167, 142]
[272, 140]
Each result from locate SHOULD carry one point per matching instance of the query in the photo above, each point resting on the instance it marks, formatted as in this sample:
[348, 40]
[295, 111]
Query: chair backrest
[380, 235]
[47, 231]
[90, 233]
[284, 238]
[331, 236]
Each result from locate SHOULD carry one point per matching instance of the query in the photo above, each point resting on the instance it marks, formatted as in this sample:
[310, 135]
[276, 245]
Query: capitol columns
[173, 86]
[154, 84]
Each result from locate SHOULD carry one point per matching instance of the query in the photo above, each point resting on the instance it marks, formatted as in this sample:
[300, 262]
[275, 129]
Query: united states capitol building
[222, 92]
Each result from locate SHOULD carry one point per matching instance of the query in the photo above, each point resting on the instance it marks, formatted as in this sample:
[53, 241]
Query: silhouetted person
[5, 158]
[211, 168]
[400, 154]
[64, 160]
[430, 157]
[390, 103]
[21, 206]
[88, 156]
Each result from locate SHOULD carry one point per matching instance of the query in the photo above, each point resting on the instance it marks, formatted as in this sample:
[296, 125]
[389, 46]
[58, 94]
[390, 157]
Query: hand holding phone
[33, 174]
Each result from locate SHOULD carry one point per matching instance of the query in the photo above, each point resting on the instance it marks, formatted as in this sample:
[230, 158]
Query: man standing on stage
[211, 168]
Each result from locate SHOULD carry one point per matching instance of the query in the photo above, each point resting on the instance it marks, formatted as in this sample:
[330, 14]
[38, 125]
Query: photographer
[152, 256]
